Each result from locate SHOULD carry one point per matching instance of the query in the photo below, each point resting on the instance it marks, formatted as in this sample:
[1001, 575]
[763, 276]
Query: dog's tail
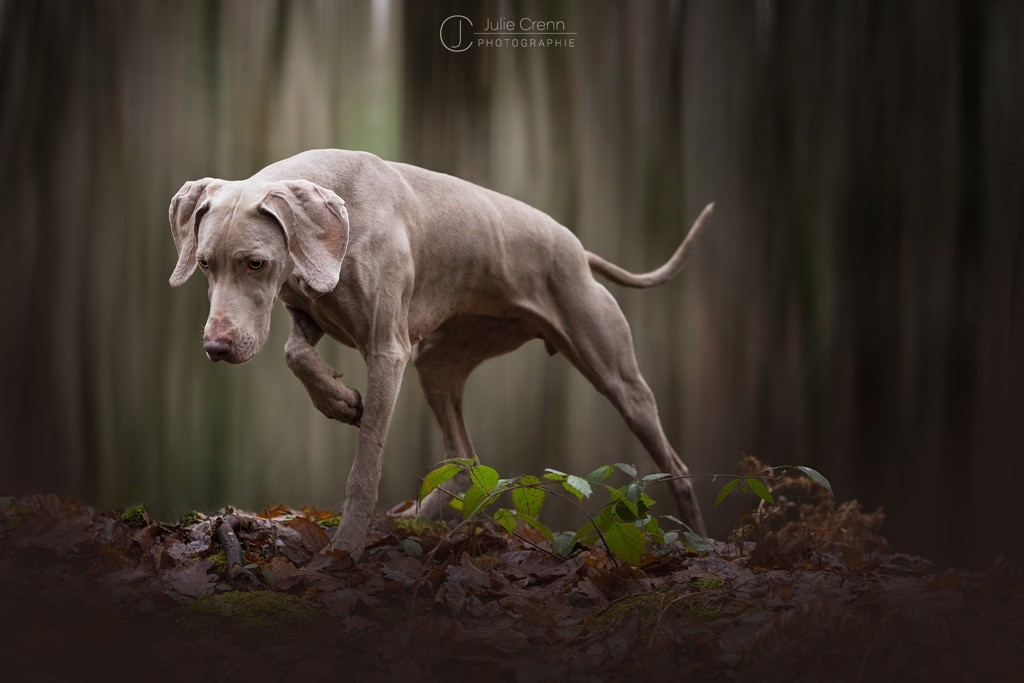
[661, 275]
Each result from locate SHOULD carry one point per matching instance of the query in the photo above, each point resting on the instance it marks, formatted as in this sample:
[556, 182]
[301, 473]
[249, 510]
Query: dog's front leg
[384, 377]
[330, 396]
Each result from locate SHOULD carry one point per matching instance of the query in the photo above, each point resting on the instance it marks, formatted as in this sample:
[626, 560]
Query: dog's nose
[217, 349]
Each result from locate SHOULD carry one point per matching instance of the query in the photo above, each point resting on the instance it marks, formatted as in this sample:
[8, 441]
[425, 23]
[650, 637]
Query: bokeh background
[857, 305]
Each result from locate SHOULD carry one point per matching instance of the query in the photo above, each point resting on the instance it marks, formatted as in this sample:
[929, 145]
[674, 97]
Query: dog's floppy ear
[315, 225]
[184, 214]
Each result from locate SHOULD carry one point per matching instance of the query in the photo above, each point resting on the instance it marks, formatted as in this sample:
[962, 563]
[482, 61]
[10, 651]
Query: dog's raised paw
[339, 402]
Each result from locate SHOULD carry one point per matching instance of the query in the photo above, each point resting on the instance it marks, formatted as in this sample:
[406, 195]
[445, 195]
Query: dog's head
[248, 238]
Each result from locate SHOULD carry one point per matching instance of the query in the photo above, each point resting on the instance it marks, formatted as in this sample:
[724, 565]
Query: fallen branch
[224, 531]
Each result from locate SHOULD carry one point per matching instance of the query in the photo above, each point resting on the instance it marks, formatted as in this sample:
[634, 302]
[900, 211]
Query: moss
[646, 603]
[255, 619]
[189, 518]
[135, 516]
[710, 583]
[704, 610]
[328, 522]
[220, 563]
[650, 607]
[415, 526]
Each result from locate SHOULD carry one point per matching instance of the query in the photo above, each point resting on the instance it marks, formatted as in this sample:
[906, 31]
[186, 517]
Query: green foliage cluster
[135, 516]
[190, 518]
[625, 524]
[645, 604]
[417, 526]
[220, 563]
[759, 488]
[329, 522]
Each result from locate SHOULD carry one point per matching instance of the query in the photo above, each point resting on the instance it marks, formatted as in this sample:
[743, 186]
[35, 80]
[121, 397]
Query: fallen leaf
[314, 537]
[192, 581]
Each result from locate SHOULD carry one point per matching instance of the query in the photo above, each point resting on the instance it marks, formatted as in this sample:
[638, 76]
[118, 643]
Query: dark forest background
[857, 305]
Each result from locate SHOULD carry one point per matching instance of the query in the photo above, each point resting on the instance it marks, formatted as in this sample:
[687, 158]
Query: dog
[402, 263]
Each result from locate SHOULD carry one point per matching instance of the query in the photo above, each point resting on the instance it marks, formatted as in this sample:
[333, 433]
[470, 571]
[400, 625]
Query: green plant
[757, 486]
[190, 518]
[625, 524]
[135, 516]
[329, 522]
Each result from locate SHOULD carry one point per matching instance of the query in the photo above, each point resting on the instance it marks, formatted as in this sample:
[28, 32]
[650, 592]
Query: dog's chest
[333, 316]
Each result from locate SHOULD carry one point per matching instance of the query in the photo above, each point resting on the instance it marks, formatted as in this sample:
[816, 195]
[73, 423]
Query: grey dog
[406, 264]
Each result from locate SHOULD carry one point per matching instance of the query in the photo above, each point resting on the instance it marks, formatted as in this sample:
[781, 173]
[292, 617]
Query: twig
[589, 517]
[224, 532]
[526, 540]
[766, 472]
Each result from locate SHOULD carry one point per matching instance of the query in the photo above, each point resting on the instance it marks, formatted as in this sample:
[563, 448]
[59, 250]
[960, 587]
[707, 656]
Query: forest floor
[812, 595]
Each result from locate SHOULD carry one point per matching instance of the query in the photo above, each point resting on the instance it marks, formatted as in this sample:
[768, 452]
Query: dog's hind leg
[444, 360]
[590, 329]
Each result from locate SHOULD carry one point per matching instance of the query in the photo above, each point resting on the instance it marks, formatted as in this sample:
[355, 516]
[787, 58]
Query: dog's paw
[339, 402]
[350, 540]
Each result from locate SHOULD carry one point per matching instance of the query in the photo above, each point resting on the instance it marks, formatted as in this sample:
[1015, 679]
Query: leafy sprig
[624, 524]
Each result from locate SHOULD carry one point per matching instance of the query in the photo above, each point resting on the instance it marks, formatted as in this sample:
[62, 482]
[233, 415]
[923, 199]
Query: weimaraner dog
[406, 264]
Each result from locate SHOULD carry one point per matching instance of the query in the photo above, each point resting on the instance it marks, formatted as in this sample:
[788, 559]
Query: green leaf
[456, 503]
[578, 486]
[528, 500]
[625, 542]
[725, 491]
[619, 495]
[627, 468]
[670, 537]
[468, 462]
[656, 476]
[634, 490]
[563, 542]
[652, 526]
[485, 477]
[626, 513]
[816, 476]
[586, 535]
[697, 543]
[506, 519]
[412, 548]
[540, 526]
[473, 500]
[438, 476]
[600, 474]
[606, 518]
[590, 532]
[673, 518]
[554, 475]
[760, 489]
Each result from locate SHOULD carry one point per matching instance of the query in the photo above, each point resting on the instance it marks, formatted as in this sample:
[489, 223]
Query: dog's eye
[255, 263]
[202, 263]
